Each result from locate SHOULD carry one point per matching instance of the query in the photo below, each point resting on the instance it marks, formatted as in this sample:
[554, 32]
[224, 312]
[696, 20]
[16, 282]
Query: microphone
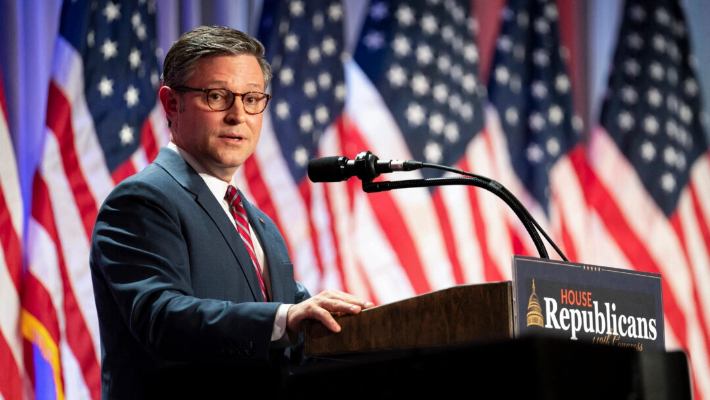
[365, 166]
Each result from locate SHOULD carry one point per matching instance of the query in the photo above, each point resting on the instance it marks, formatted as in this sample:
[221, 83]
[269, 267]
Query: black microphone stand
[367, 173]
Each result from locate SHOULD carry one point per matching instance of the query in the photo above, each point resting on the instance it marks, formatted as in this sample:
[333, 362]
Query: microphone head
[328, 169]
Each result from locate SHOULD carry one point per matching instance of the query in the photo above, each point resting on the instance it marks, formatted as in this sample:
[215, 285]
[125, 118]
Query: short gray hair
[205, 42]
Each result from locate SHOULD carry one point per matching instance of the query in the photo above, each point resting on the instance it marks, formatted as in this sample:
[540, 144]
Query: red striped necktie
[240, 217]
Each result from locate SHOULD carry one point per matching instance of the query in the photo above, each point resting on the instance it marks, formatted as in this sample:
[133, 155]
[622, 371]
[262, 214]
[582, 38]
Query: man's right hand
[322, 307]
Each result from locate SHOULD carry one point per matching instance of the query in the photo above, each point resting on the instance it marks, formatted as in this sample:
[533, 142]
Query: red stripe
[568, 247]
[336, 242]
[389, 216]
[10, 242]
[676, 222]
[516, 241]
[633, 247]
[3, 102]
[490, 270]
[77, 333]
[447, 232]
[123, 171]
[148, 142]
[700, 219]
[351, 189]
[59, 121]
[10, 379]
[37, 301]
[304, 188]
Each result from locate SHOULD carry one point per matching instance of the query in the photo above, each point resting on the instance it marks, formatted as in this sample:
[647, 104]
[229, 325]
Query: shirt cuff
[279, 331]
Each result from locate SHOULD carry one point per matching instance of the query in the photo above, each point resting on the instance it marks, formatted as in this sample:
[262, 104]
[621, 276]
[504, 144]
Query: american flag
[415, 95]
[104, 123]
[304, 42]
[11, 212]
[532, 126]
[649, 178]
[412, 93]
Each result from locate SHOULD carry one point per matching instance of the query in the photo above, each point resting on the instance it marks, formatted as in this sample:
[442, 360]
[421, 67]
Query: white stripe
[643, 216]
[697, 252]
[343, 224]
[699, 174]
[43, 264]
[292, 212]
[159, 125]
[72, 237]
[697, 247]
[74, 385]
[467, 243]
[365, 106]
[569, 200]
[9, 297]
[161, 135]
[503, 172]
[493, 209]
[388, 279]
[9, 181]
[10, 314]
[322, 220]
[68, 73]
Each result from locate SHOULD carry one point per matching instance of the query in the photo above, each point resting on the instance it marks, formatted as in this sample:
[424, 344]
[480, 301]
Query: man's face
[220, 140]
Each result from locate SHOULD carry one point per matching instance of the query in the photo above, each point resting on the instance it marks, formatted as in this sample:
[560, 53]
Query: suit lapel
[191, 181]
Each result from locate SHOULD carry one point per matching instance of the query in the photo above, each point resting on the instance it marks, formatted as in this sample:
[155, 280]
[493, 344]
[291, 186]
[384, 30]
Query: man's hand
[322, 307]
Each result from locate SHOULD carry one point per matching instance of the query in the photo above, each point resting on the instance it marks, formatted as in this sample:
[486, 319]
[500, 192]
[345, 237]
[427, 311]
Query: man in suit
[194, 286]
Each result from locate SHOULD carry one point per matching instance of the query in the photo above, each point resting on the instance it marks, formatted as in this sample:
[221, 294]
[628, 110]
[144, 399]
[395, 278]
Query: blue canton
[304, 43]
[116, 41]
[422, 58]
[653, 106]
[530, 89]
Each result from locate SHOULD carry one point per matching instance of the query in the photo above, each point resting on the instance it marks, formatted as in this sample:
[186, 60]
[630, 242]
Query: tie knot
[232, 196]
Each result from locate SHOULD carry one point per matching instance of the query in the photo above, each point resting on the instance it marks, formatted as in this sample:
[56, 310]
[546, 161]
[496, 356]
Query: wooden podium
[448, 317]
[460, 341]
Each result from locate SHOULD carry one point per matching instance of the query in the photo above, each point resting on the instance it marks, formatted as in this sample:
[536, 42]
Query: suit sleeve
[143, 275]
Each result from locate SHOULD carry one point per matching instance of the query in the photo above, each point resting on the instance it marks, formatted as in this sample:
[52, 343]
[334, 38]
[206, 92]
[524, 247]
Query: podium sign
[584, 302]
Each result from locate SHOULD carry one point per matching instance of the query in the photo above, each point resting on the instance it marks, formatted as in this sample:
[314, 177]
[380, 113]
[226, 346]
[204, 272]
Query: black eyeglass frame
[207, 91]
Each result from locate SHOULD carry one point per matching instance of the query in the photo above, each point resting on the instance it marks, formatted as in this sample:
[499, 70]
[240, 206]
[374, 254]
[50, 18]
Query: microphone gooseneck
[368, 166]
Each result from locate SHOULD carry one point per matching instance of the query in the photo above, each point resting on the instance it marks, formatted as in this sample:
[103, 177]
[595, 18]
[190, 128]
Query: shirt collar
[217, 186]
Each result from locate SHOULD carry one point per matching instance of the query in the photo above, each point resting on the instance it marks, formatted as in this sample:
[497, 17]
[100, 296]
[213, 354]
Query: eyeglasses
[223, 99]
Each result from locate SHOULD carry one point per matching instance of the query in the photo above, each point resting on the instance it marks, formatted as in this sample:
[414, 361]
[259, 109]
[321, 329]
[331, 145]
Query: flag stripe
[676, 222]
[490, 268]
[60, 123]
[10, 379]
[337, 261]
[687, 330]
[122, 172]
[11, 246]
[304, 188]
[391, 220]
[67, 226]
[75, 329]
[700, 250]
[443, 216]
[634, 249]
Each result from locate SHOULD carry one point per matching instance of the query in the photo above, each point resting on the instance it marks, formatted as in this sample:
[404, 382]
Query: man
[193, 285]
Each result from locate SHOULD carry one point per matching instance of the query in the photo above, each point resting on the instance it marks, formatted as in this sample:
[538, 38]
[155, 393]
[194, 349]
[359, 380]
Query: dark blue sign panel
[610, 306]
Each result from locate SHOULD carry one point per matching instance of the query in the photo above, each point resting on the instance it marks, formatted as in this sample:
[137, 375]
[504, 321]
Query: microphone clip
[366, 166]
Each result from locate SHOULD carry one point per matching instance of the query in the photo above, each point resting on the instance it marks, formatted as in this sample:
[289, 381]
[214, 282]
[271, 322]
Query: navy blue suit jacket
[178, 299]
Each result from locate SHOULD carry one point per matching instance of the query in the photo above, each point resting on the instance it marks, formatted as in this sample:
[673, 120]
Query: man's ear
[171, 103]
